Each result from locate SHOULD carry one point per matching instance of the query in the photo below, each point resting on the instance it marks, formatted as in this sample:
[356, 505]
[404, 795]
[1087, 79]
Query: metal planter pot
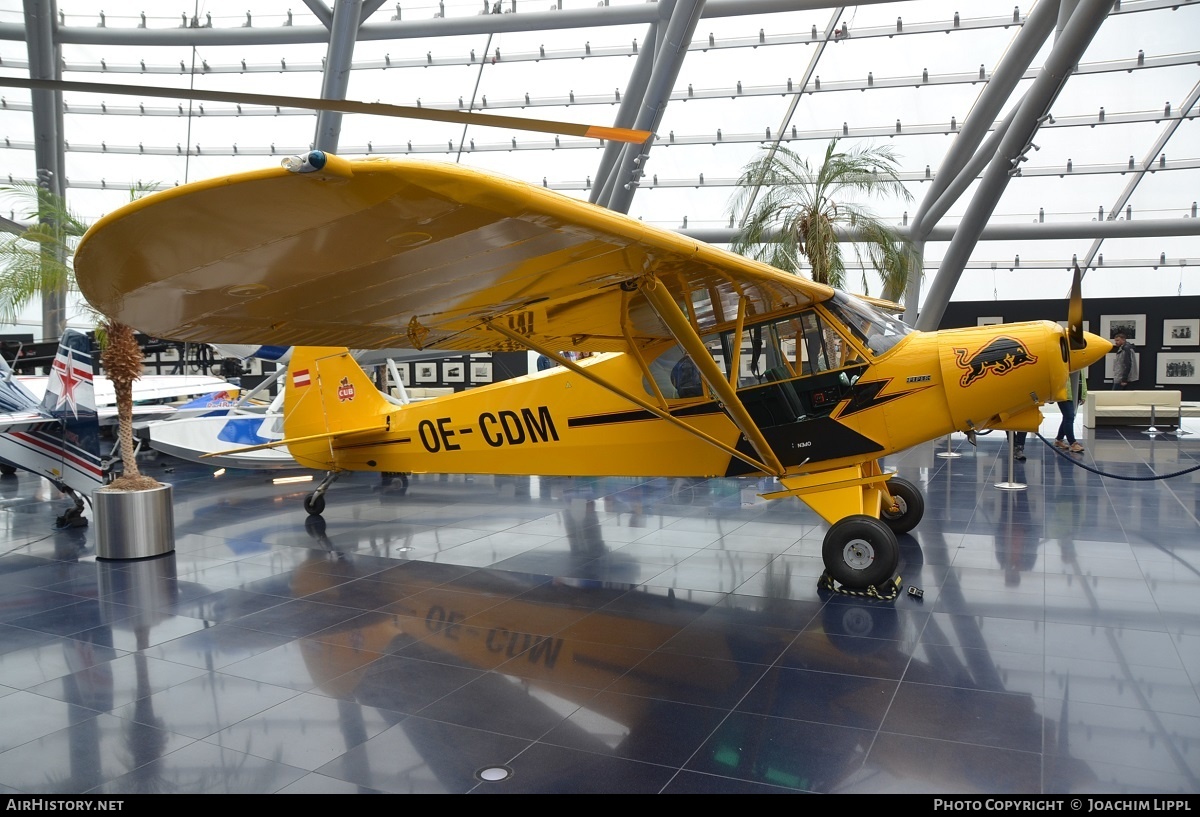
[134, 524]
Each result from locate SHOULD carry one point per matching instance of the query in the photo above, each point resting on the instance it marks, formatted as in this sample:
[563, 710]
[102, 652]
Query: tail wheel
[910, 506]
[315, 505]
[860, 552]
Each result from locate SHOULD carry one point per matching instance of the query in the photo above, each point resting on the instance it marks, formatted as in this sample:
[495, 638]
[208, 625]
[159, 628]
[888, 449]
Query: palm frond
[798, 208]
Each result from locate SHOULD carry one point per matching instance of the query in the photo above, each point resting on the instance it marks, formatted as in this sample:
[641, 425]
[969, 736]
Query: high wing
[390, 253]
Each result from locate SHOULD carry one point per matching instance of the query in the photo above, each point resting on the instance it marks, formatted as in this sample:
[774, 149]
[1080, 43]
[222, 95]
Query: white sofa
[1132, 408]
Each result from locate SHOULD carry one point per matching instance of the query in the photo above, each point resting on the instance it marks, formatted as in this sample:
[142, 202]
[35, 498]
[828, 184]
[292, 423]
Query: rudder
[326, 391]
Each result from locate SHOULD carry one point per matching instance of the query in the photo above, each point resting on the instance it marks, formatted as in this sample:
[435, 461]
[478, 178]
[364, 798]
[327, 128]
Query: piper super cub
[793, 379]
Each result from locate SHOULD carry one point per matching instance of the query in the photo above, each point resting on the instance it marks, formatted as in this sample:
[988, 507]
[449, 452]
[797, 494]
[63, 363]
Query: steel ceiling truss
[669, 37]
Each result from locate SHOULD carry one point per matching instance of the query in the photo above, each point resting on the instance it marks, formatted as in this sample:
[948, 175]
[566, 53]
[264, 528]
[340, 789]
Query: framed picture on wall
[1181, 332]
[1176, 369]
[425, 373]
[454, 371]
[989, 321]
[481, 372]
[1133, 326]
[403, 372]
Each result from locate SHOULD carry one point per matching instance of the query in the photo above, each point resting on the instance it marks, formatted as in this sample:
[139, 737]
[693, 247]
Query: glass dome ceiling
[1030, 135]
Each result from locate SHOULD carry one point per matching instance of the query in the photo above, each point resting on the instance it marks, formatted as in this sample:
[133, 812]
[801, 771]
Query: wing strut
[685, 335]
[650, 407]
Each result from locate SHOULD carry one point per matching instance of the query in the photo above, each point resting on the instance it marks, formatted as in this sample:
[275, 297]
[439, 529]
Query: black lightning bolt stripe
[866, 396]
[639, 415]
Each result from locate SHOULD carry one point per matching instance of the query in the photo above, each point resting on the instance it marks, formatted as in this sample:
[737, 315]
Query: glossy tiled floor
[613, 635]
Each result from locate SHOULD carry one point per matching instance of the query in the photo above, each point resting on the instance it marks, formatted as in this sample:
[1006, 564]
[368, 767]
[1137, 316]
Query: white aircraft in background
[55, 433]
[215, 422]
[149, 392]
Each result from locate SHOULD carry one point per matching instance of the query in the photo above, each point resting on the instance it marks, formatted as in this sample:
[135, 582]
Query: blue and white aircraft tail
[59, 437]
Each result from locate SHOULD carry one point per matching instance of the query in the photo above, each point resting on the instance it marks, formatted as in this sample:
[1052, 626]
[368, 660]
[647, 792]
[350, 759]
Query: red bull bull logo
[998, 356]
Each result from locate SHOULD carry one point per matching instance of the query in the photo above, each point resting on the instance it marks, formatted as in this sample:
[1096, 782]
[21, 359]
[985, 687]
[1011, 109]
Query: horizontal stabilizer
[329, 435]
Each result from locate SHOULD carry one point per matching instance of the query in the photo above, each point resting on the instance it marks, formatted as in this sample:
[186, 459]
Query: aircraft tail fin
[327, 393]
[66, 452]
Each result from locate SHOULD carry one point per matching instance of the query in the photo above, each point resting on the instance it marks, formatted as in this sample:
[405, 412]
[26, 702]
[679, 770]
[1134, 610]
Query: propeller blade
[629, 135]
[1075, 312]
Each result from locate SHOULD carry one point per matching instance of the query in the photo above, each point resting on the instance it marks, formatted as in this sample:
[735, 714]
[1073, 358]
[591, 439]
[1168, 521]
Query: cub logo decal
[1000, 356]
[345, 390]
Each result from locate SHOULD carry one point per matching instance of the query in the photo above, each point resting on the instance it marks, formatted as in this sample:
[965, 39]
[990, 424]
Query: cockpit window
[879, 332]
[677, 376]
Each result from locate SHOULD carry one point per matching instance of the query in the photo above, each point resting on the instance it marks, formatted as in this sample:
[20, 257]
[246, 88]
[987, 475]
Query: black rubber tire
[315, 505]
[911, 502]
[860, 552]
[7, 470]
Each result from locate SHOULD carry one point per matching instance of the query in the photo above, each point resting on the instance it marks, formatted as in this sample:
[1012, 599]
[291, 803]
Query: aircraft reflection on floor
[559, 643]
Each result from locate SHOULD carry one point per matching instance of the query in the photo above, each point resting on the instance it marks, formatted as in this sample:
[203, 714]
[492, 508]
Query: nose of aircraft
[1095, 347]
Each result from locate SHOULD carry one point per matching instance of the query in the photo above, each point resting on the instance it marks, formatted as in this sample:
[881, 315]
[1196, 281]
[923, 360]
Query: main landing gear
[860, 551]
[907, 508]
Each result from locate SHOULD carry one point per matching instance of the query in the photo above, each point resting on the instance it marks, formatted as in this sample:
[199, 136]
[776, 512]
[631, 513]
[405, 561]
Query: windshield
[878, 331]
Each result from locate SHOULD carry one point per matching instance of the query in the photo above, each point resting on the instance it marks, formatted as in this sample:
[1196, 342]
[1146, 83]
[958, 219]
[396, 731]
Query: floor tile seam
[281, 600]
[720, 723]
[734, 710]
[736, 631]
[649, 654]
[469, 621]
[335, 575]
[419, 713]
[291, 636]
[60, 702]
[146, 654]
[1083, 577]
[214, 672]
[1053, 697]
[1136, 687]
[122, 653]
[77, 724]
[535, 742]
[69, 598]
[899, 681]
[1039, 753]
[207, 739]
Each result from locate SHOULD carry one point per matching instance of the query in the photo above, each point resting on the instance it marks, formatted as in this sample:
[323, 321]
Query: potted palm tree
[793, 212]
[133, 513]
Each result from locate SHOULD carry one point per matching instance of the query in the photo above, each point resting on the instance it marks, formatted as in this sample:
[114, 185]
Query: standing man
[1124, 366]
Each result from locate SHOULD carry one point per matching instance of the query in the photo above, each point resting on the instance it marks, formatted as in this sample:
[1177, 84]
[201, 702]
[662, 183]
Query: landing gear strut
[74, 517]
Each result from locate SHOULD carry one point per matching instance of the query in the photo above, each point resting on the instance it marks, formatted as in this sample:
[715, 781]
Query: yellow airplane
[791, 379]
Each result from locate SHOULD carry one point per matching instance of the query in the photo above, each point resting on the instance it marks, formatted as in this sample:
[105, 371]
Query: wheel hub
[901, 508]
[858, 554]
